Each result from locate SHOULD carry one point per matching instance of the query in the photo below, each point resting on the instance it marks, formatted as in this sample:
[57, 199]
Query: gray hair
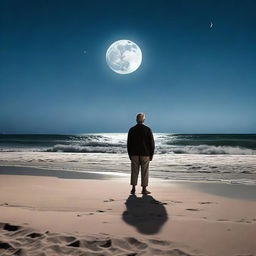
[140, 117]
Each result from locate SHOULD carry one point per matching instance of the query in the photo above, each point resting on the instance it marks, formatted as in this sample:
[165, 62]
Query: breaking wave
[166, 143]
[213, 150]
[84, 149]
[201, 149]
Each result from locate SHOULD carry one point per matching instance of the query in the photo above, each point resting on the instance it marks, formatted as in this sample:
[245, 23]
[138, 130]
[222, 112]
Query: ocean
[227, 158]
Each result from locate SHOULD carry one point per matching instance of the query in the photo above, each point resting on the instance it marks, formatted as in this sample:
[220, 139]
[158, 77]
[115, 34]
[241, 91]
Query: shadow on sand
[145, 213]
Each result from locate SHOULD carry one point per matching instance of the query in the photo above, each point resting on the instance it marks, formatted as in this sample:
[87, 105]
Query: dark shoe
[145, 192]
[132, 191]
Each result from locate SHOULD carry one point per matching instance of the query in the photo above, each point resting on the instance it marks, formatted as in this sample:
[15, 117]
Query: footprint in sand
[6, 246]
[206, 202]
[176, 202]
[34, 235]
[244, 221]
[90, 213]
[109, 200]
[192, 209]
[222, 220]
[75, 244]
[9, 227]
[158, 202]
[4, 204]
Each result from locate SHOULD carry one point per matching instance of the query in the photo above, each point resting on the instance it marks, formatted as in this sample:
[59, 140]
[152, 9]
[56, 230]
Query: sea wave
[84, 149]
[213, 150]
[166, 143]
[201, 149]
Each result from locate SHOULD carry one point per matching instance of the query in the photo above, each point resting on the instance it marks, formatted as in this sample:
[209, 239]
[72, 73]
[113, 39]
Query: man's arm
[152, 144]
[129, 144]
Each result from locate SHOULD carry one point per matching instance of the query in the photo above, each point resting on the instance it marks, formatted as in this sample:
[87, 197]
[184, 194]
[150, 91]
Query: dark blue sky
[193, 79]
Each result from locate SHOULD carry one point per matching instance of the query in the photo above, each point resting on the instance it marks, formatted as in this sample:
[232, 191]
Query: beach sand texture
[53, 216]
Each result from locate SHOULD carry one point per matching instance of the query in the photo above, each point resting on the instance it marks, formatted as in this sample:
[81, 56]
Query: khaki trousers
[136, 163]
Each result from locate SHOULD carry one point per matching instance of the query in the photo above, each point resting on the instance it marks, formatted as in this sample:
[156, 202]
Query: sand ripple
[23, 241]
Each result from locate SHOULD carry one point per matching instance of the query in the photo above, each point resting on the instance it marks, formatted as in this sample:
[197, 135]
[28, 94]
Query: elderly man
[140, 146]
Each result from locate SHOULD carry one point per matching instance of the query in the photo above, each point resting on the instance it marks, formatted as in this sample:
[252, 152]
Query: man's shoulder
[147, 128]
[132, 128]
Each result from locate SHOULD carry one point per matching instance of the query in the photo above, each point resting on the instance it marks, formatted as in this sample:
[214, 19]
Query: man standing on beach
[140, 147]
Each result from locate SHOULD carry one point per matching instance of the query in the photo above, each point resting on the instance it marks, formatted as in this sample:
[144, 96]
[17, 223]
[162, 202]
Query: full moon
[124, 56]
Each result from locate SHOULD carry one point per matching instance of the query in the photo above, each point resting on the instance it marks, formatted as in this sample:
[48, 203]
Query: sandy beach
[43, 215]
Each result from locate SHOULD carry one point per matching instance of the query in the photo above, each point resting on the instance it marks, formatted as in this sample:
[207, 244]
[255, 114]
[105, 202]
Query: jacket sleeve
[151, 143]
[129, 143]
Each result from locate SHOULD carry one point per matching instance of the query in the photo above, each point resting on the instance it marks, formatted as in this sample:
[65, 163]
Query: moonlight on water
[124, 56]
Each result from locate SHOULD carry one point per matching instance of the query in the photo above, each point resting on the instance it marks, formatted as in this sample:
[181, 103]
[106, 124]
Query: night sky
[193, 78]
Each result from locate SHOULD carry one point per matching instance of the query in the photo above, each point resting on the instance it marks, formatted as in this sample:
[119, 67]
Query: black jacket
[140, 141]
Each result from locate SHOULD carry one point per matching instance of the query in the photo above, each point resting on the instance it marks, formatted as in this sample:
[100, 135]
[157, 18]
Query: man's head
[140, 118]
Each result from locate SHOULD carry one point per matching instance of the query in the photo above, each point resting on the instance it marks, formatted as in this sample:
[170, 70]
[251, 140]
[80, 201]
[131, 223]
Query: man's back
[140, 147]
[140, 141]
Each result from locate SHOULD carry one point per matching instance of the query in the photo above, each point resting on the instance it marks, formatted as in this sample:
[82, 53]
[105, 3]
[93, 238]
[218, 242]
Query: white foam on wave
[213, 150]
[200, 149]
[84, 149]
